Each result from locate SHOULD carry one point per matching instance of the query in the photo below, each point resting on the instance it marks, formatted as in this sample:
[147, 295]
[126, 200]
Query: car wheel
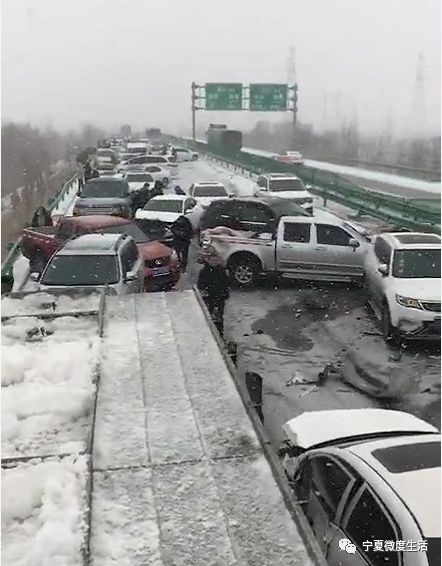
[37, 262]
[194, 157]
[390, 334]
[244, 271]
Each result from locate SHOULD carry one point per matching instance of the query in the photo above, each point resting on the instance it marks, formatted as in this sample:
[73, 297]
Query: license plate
[157, 271]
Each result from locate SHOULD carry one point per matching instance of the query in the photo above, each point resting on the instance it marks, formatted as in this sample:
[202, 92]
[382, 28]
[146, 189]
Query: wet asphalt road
[289, 334]
[292, 333]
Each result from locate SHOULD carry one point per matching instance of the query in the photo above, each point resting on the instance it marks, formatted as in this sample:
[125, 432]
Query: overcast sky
[66, 62]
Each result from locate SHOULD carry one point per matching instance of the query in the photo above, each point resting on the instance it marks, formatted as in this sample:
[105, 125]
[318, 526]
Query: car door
[322, 486]
[365, 520]
[294, 249]
[334, 255]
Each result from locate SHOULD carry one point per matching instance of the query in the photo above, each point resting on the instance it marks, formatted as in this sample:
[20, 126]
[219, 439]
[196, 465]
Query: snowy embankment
[48, 387]
[367, 174]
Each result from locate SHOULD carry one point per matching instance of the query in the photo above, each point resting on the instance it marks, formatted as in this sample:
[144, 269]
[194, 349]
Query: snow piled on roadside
[48, 371]
[40, 303]
[43, 513]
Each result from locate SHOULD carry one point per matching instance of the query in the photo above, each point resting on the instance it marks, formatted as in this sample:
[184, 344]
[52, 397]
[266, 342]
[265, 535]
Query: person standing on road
[213, 282]
[182, 232]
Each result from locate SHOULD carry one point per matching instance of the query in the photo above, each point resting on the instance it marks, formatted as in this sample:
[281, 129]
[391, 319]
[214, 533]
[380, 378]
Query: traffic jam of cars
[277, 232]
[370, 475]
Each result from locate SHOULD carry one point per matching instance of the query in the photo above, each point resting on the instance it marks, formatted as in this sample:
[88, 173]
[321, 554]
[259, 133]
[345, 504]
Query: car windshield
[286, 185]
[139, 178]
[74, 270]
[433, 551]
[136, 150]
[208, 191]
[106, 189]
[416, 264]
[165, 205]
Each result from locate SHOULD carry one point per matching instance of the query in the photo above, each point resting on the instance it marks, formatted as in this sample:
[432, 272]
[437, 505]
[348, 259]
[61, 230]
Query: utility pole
[291, 81]
[194, 111]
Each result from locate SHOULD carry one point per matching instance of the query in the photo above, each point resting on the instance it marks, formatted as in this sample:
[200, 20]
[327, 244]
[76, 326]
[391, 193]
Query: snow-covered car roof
[314, 428]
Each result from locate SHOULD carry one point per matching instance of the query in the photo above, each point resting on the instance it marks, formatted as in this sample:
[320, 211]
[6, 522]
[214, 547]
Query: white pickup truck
[323, 247]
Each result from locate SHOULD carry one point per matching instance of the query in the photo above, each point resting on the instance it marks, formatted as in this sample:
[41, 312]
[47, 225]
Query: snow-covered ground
[43, 512]
[48, 375]
[369, 175]
[387, 178]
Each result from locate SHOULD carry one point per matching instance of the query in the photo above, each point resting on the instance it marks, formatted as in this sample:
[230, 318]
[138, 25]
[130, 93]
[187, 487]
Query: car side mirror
[34, 276]
[130, 276]
[353, 243]
[383, 269]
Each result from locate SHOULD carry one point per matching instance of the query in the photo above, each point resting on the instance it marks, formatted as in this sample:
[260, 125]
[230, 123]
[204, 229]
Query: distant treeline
[30, 155]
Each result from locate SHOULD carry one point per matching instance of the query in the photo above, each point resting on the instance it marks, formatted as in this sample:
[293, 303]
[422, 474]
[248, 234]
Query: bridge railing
[421, 214]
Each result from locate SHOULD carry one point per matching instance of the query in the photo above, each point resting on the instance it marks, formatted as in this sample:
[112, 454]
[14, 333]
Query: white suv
[402, 273]
[184, 154]
[284, 185]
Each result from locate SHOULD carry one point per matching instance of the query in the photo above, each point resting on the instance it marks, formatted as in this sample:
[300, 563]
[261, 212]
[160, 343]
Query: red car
[161, 265]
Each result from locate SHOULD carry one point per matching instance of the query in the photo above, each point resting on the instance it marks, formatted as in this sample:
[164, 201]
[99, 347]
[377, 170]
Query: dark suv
[259, 215]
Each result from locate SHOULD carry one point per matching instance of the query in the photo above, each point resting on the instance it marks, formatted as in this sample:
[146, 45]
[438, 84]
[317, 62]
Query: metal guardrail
[53, 202]
[416, 214]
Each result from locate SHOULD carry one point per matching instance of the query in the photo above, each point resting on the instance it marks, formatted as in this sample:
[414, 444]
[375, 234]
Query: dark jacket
[214, 281]
[182, 229]
[179, 191]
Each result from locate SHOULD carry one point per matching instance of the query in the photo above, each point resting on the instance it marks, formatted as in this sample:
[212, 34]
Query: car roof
[403, 468]
[411, 240]
[92, 244]
[96, 221]
[307, 430]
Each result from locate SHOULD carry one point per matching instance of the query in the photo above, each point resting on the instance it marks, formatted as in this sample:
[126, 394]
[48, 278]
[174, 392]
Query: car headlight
[408, 302]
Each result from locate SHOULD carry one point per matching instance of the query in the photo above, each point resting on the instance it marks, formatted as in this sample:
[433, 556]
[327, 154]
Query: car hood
[293, 195]
[167, 217]
[154, 250]
[426, 289]
[314, 428]
[70, 290]
[104, 201]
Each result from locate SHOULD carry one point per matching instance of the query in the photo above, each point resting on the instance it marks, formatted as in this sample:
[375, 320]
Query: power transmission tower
[418, 109]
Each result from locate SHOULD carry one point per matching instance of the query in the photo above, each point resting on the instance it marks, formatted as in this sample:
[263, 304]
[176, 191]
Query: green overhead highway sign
[268, 97]
[223, 96]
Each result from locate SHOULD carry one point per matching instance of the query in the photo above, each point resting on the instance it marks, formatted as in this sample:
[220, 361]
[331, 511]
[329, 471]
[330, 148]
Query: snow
[176, 459]
[43, 513]
[41, 303]
[48, 372]
[387, 178]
